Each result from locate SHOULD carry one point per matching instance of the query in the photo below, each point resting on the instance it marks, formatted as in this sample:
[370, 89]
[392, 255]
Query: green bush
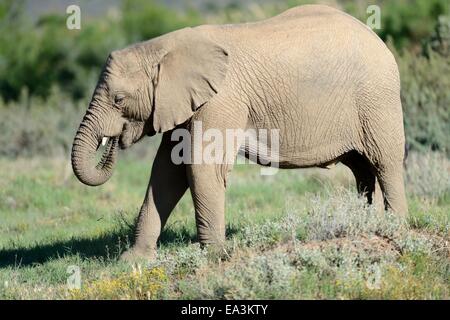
[40, 55]
[439, 41]
[425, 93]
[410, 21]
[143, 20]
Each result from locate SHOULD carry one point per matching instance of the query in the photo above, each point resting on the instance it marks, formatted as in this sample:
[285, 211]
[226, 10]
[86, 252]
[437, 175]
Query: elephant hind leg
[380, 182]
[168, 183]
[386, 155]
[392, 185]
[364, 175]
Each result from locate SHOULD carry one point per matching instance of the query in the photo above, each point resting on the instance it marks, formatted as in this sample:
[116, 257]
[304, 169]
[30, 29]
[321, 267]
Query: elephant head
[144, 89]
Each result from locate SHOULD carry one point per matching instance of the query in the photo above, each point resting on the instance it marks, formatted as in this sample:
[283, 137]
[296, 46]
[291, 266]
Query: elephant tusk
[104, 140]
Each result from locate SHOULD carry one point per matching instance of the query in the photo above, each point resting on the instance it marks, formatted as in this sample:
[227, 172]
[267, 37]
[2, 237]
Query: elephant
[323, 79]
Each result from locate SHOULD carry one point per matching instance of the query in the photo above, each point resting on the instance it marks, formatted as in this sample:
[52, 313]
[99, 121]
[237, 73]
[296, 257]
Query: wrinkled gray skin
[326, 81]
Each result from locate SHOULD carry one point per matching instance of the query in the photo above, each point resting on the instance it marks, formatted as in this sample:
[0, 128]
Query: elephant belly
[290, 148]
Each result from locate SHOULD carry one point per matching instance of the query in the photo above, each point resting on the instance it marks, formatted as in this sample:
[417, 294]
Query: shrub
[408, 22]
[338, 213]
[139, 284]
[428, 175]
[440, 39]
[266, 276]
[40, 54]
[185, 260]
[143, 20]
[343, 213]
[426, 100]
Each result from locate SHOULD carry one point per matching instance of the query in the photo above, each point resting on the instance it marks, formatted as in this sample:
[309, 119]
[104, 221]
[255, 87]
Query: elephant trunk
[84, 148]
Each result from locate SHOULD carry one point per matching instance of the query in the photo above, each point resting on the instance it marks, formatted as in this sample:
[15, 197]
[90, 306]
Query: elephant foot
[134, 255]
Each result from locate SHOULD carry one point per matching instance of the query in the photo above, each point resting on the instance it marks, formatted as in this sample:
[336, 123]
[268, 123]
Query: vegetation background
[294, 235]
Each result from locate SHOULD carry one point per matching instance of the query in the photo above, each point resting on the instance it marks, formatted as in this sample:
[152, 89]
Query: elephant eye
[118, 99]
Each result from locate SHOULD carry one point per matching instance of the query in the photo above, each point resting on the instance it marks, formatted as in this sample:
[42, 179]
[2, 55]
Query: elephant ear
[188, 76]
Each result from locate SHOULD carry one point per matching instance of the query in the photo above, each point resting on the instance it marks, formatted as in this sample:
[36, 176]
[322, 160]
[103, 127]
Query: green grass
[297, 234]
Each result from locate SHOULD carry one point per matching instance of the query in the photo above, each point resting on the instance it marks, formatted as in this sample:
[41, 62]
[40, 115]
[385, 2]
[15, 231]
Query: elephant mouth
[123, 140]
[110, 144]
[106, 143]
[134, 131]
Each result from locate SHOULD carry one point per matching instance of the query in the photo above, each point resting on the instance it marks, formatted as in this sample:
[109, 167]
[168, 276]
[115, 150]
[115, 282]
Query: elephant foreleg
[207, 179]
[208, 194]
[168, 183]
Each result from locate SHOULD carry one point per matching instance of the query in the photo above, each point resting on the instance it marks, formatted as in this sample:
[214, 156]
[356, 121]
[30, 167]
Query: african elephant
[323, 79]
